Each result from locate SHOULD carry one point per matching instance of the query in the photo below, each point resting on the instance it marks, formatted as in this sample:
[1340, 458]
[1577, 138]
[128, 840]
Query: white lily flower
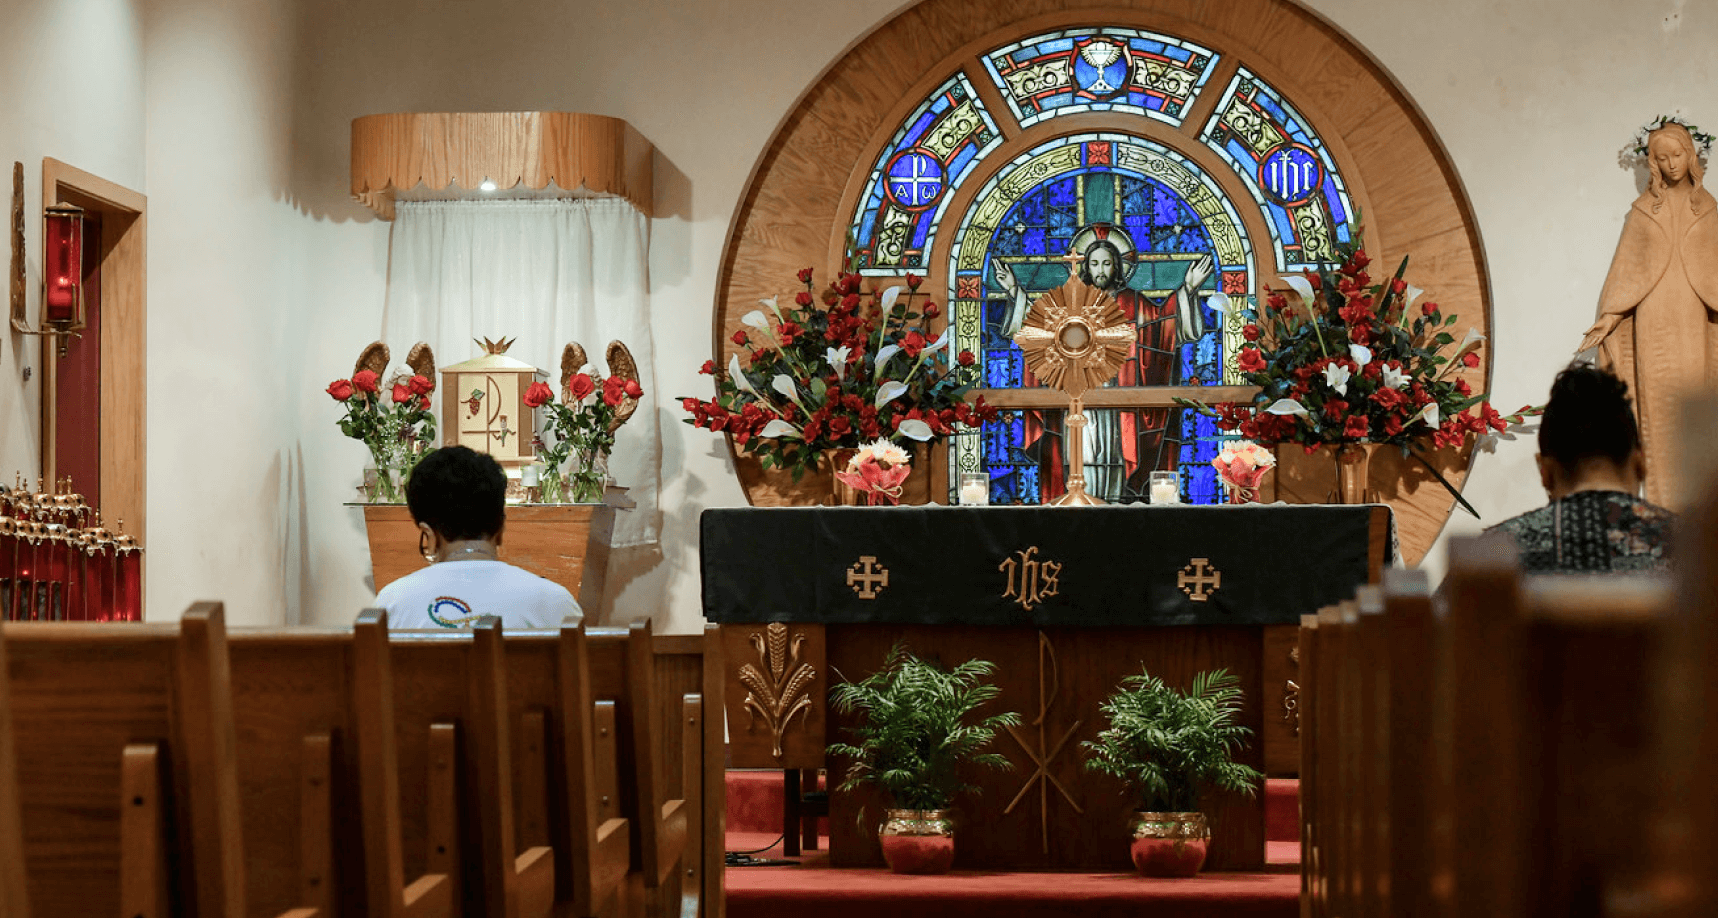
[783, 383]
[890, 296]
[781, 428]
[915, 429]
[756, 319]
[883, 354]
[1429, 414]
[1220, 303]
[1361, 354]
[940, 343]
[1394, 378]
[738, 375]
[1301, 286]
[1336, 377]
[771, 303]
[1287, 406]
[1410, 295]
[890, 391]
[837, 358]
[1473, 337]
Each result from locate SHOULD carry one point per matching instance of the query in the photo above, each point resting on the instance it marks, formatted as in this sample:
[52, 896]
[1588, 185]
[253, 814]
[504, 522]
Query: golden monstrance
[1075, 338]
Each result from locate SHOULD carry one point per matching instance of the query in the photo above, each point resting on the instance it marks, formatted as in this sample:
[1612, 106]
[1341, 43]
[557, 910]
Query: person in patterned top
[1592, 465]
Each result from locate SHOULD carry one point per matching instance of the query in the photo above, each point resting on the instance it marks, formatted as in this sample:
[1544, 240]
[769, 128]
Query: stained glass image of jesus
[1122, 446]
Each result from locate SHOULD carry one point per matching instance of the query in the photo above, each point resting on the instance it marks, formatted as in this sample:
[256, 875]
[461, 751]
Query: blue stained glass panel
[1117, 190]
[916, 176]
[1255, 127]
[1105, 70]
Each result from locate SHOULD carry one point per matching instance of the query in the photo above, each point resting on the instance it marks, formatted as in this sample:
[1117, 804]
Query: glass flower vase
[381, 486]
[552, 487]
[589, 483]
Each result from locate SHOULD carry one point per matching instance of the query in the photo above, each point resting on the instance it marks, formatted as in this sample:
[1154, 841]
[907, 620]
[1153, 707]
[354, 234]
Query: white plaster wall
[229, 282]
[84, 109]
[265, 280]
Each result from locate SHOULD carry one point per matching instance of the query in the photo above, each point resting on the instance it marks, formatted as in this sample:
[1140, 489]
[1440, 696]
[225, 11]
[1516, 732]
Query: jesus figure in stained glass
[1133, 442]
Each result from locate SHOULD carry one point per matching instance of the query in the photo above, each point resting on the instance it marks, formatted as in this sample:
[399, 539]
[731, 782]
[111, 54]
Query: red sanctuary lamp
[63, 286]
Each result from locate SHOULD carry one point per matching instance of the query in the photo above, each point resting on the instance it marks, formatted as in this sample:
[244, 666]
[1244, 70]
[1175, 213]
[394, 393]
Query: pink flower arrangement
[1242, 465]
[878, 470]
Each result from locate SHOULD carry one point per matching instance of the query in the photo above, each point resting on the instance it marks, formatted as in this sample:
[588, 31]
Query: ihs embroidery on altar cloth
[1028, 580]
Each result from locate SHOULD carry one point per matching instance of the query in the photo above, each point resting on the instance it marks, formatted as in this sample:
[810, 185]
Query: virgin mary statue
[1658, 312]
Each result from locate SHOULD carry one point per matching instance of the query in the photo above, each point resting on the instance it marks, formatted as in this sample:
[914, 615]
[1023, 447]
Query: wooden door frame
[122, 341]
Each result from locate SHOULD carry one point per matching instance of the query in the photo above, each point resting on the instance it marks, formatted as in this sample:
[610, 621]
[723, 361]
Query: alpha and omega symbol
[1291, 173]
[1199, 579]
[867, 577]
[1028, 580]
[914, 179]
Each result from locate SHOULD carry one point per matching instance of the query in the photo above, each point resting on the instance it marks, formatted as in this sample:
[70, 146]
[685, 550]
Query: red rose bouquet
[393, 420]
[1351, 360]
[837, 370]
[581, 424]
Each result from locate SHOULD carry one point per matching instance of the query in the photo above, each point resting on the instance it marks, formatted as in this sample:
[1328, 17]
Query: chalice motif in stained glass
[1101, 55]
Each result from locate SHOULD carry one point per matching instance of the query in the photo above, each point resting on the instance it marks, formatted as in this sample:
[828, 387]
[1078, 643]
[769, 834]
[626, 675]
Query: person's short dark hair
[1588, 417]
[460, 492]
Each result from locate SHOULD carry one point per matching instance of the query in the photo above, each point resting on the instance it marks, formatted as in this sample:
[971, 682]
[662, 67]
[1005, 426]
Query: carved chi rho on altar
[483, 404]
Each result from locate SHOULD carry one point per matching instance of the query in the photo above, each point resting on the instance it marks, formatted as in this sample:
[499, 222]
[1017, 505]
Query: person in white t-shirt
[457, 496]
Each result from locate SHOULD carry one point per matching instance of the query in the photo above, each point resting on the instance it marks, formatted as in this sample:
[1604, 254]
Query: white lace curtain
[547, 273]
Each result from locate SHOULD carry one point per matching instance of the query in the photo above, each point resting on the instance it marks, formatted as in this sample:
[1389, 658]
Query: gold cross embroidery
[1196, 577]
[867, 577]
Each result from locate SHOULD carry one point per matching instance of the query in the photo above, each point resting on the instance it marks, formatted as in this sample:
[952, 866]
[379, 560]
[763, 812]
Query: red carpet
[814, 888]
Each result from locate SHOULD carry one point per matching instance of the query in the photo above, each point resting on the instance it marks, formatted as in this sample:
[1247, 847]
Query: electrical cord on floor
[745, 859]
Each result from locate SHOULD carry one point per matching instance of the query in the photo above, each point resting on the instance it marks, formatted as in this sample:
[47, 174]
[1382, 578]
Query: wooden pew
[1496, 758]
[566, 767]
[14, 893]
[313, 715]
[672, 763]
[128, 789]
[451, 717]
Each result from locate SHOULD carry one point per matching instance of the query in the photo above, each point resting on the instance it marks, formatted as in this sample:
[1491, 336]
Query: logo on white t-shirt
[451, 612]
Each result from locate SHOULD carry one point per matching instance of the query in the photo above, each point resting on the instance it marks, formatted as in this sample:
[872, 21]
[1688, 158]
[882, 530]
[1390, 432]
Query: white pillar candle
[974, 494]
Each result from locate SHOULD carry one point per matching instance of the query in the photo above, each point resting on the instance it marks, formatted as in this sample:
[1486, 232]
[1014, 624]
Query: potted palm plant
[918, 728]
[1170, 748]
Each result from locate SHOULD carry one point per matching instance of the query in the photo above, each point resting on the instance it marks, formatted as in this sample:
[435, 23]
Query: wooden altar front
[806, 624]
[566, 543]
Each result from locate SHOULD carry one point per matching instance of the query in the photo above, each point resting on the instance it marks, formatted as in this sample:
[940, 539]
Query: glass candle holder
[974, 489]
[1164, 488]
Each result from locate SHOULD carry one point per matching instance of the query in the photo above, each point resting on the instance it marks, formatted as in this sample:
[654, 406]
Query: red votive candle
[8, 567]
[24, 598]
[77, 569]
[101, 576]
[129, 604]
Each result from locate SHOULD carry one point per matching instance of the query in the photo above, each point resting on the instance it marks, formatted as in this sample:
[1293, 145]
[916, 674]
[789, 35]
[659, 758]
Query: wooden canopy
[428, 156]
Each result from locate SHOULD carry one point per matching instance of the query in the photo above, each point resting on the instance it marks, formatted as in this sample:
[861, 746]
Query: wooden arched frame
[802, 193]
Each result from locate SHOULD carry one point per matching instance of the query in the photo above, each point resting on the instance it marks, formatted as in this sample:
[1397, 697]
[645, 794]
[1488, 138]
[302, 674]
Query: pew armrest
[429, 896]
[670, 839]
[535, 873]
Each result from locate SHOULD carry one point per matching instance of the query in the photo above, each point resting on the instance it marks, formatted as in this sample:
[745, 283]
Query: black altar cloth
[1113, 566]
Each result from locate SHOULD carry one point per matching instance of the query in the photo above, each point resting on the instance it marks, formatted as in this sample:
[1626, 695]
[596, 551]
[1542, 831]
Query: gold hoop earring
[423, 547]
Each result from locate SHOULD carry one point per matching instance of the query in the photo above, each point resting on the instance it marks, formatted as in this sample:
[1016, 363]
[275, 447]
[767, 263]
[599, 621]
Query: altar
[1066, 602]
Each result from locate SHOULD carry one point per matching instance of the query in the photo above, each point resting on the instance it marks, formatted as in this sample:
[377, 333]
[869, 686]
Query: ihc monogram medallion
[867, 577]
[1199, 579]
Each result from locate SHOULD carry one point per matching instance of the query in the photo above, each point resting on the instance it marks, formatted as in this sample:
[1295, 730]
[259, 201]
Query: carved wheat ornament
[781, 690]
